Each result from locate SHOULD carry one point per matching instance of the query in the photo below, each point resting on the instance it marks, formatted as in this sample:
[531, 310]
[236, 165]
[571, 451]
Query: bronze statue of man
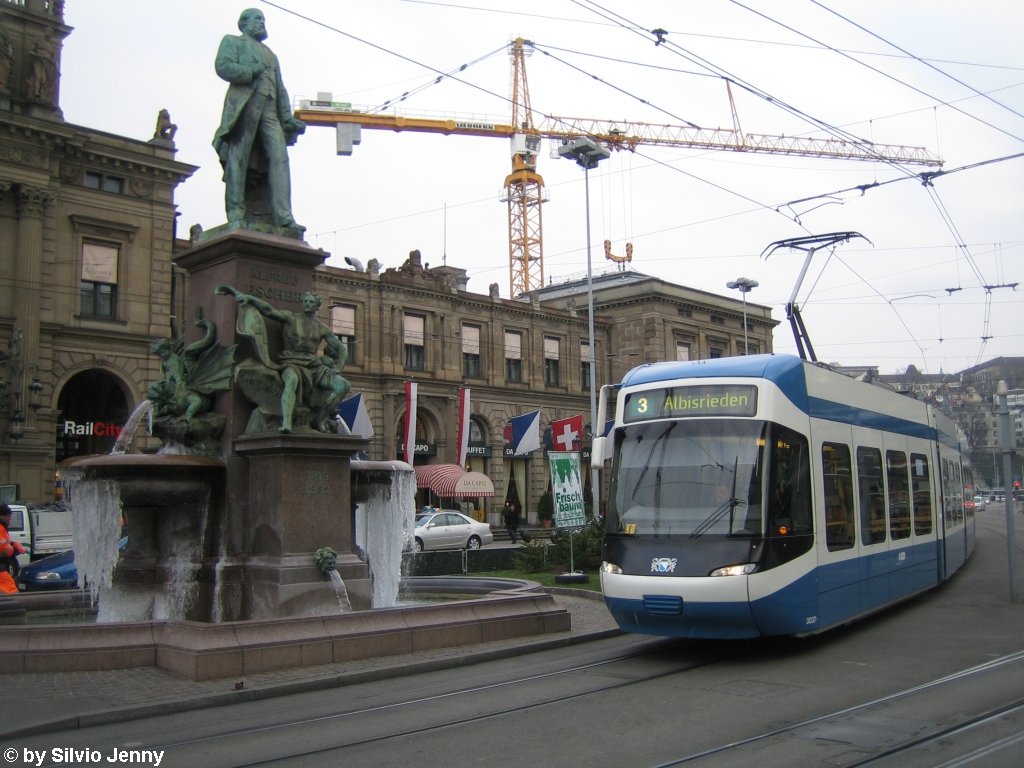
[307, 378]
[256, 127]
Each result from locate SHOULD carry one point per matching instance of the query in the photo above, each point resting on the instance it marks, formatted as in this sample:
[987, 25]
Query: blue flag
[355, 416]
[525, 433]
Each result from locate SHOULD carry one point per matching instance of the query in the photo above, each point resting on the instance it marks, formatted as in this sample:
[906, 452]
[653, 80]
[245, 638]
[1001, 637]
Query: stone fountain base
[204, 651]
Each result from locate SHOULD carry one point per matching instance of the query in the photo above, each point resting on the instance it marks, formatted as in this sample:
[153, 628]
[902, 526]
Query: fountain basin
[170, 505]
[203, 651]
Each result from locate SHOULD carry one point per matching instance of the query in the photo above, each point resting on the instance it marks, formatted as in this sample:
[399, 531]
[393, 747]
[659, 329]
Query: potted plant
[545, 509]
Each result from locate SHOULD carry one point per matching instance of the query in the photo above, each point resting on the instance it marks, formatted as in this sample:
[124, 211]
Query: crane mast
[524, 187]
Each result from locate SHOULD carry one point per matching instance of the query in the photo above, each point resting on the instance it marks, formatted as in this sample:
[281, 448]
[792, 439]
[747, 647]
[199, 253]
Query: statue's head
[253, 23]
[310, 300]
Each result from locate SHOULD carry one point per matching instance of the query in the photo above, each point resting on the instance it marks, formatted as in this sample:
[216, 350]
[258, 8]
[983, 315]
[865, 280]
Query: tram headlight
[734, 570]
[607, 567]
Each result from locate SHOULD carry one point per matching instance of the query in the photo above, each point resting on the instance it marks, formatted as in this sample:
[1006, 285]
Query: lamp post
[744, 285]
[587, 153]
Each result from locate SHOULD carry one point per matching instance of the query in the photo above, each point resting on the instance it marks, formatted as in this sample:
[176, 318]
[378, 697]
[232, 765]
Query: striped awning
[451, 481]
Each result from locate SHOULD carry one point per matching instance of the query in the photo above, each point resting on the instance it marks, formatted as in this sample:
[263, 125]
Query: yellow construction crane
[524, 187]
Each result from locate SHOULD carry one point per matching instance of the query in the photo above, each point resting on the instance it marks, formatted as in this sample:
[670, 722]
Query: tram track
[900, 755]
[433, 708]
[826, 728]
[821, 735]
[660, 647]
[389, 701]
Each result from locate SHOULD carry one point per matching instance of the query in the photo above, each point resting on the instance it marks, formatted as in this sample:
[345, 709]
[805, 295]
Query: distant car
[448, 529]
[980, 502]
[53, 572]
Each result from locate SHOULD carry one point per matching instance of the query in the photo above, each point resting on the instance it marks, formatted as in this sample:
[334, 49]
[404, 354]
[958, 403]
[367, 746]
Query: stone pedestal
[299, 493]
[287, 495]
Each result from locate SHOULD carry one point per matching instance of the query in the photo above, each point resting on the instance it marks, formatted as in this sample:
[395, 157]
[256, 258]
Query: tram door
[954, 529]
[835, 521]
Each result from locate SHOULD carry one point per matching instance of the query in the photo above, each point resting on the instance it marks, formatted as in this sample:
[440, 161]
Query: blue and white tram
[765, 495]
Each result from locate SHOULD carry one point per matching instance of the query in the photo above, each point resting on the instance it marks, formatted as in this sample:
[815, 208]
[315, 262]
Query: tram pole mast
[1004, 447]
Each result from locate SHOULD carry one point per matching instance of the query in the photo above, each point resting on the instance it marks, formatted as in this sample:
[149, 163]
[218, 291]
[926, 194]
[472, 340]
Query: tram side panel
[840, 571]
[912, 560]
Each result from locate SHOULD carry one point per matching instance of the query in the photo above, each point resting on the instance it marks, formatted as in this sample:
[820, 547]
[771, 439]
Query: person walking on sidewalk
[511, 515]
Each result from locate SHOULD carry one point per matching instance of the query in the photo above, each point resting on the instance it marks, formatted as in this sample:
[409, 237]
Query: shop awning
[450, 481]
[474, 484]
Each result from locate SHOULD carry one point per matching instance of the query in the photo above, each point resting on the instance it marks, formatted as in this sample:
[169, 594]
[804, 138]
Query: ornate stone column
[31, 206]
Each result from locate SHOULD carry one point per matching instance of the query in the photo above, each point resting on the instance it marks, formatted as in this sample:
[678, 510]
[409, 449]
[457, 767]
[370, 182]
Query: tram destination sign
[696, 400]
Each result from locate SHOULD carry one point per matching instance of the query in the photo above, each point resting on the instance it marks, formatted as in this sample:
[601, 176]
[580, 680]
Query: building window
[413, 336]
[343, 323]
[98, 285]
[471, 351]
[682, 351]
[551, 355]
[717, 320]
[513, 357]
[586, 360]
[103, 182]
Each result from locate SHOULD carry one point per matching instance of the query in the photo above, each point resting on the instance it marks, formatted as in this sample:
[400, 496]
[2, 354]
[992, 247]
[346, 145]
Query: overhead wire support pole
[1004, 448]
[809, 244]
[587, 153]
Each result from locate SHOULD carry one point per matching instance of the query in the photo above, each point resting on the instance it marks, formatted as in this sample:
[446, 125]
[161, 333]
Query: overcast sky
[943, 75]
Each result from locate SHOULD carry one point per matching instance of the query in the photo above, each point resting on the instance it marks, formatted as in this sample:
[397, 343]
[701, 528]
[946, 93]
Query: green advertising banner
[567, 489]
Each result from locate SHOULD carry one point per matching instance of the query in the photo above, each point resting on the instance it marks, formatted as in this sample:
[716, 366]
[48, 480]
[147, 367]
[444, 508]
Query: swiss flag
[567, 434]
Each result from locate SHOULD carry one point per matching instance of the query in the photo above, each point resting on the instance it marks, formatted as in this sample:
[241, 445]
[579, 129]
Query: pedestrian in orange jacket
[9, 550]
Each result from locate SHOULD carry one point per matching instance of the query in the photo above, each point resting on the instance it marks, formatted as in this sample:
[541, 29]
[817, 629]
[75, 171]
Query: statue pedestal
[287, 495]
[299, 493]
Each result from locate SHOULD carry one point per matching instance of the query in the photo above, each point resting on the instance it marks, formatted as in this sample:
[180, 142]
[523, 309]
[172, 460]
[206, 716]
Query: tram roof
[785, 370]
[835, 397]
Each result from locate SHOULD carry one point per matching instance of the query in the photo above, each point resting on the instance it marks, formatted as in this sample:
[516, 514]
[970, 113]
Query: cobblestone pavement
[58, 701]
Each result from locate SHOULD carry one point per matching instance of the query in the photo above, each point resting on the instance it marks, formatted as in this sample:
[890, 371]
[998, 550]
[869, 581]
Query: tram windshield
[699, 478]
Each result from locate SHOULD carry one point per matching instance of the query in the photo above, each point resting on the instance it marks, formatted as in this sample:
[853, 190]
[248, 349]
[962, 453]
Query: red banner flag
[463, 425]
[410, 422]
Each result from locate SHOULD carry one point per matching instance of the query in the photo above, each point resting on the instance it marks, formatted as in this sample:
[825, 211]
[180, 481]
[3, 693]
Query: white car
[448, 529]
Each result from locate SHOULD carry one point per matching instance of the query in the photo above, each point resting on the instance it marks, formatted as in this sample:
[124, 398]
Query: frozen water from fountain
[143, 410]
[96, 534]
[385, 525]
[341, 591]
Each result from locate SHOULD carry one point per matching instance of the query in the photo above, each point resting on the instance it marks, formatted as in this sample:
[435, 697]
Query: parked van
[42, 531]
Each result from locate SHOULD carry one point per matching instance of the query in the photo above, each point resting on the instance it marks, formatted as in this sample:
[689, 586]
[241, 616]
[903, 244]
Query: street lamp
[587, 153]
[744, 285]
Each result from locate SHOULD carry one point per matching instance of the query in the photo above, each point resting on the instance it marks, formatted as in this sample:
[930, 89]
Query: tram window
[899, 494]
[789, 505]
[871, 487]
[921, 485]
[958, 498]
[705, 480]
[838, 479]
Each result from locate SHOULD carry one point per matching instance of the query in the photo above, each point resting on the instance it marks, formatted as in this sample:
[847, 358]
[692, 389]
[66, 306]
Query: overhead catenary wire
[915, 58]
[757, 205]
[878, 71]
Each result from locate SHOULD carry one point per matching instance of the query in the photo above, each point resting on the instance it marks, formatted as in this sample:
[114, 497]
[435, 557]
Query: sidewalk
[66, 700]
